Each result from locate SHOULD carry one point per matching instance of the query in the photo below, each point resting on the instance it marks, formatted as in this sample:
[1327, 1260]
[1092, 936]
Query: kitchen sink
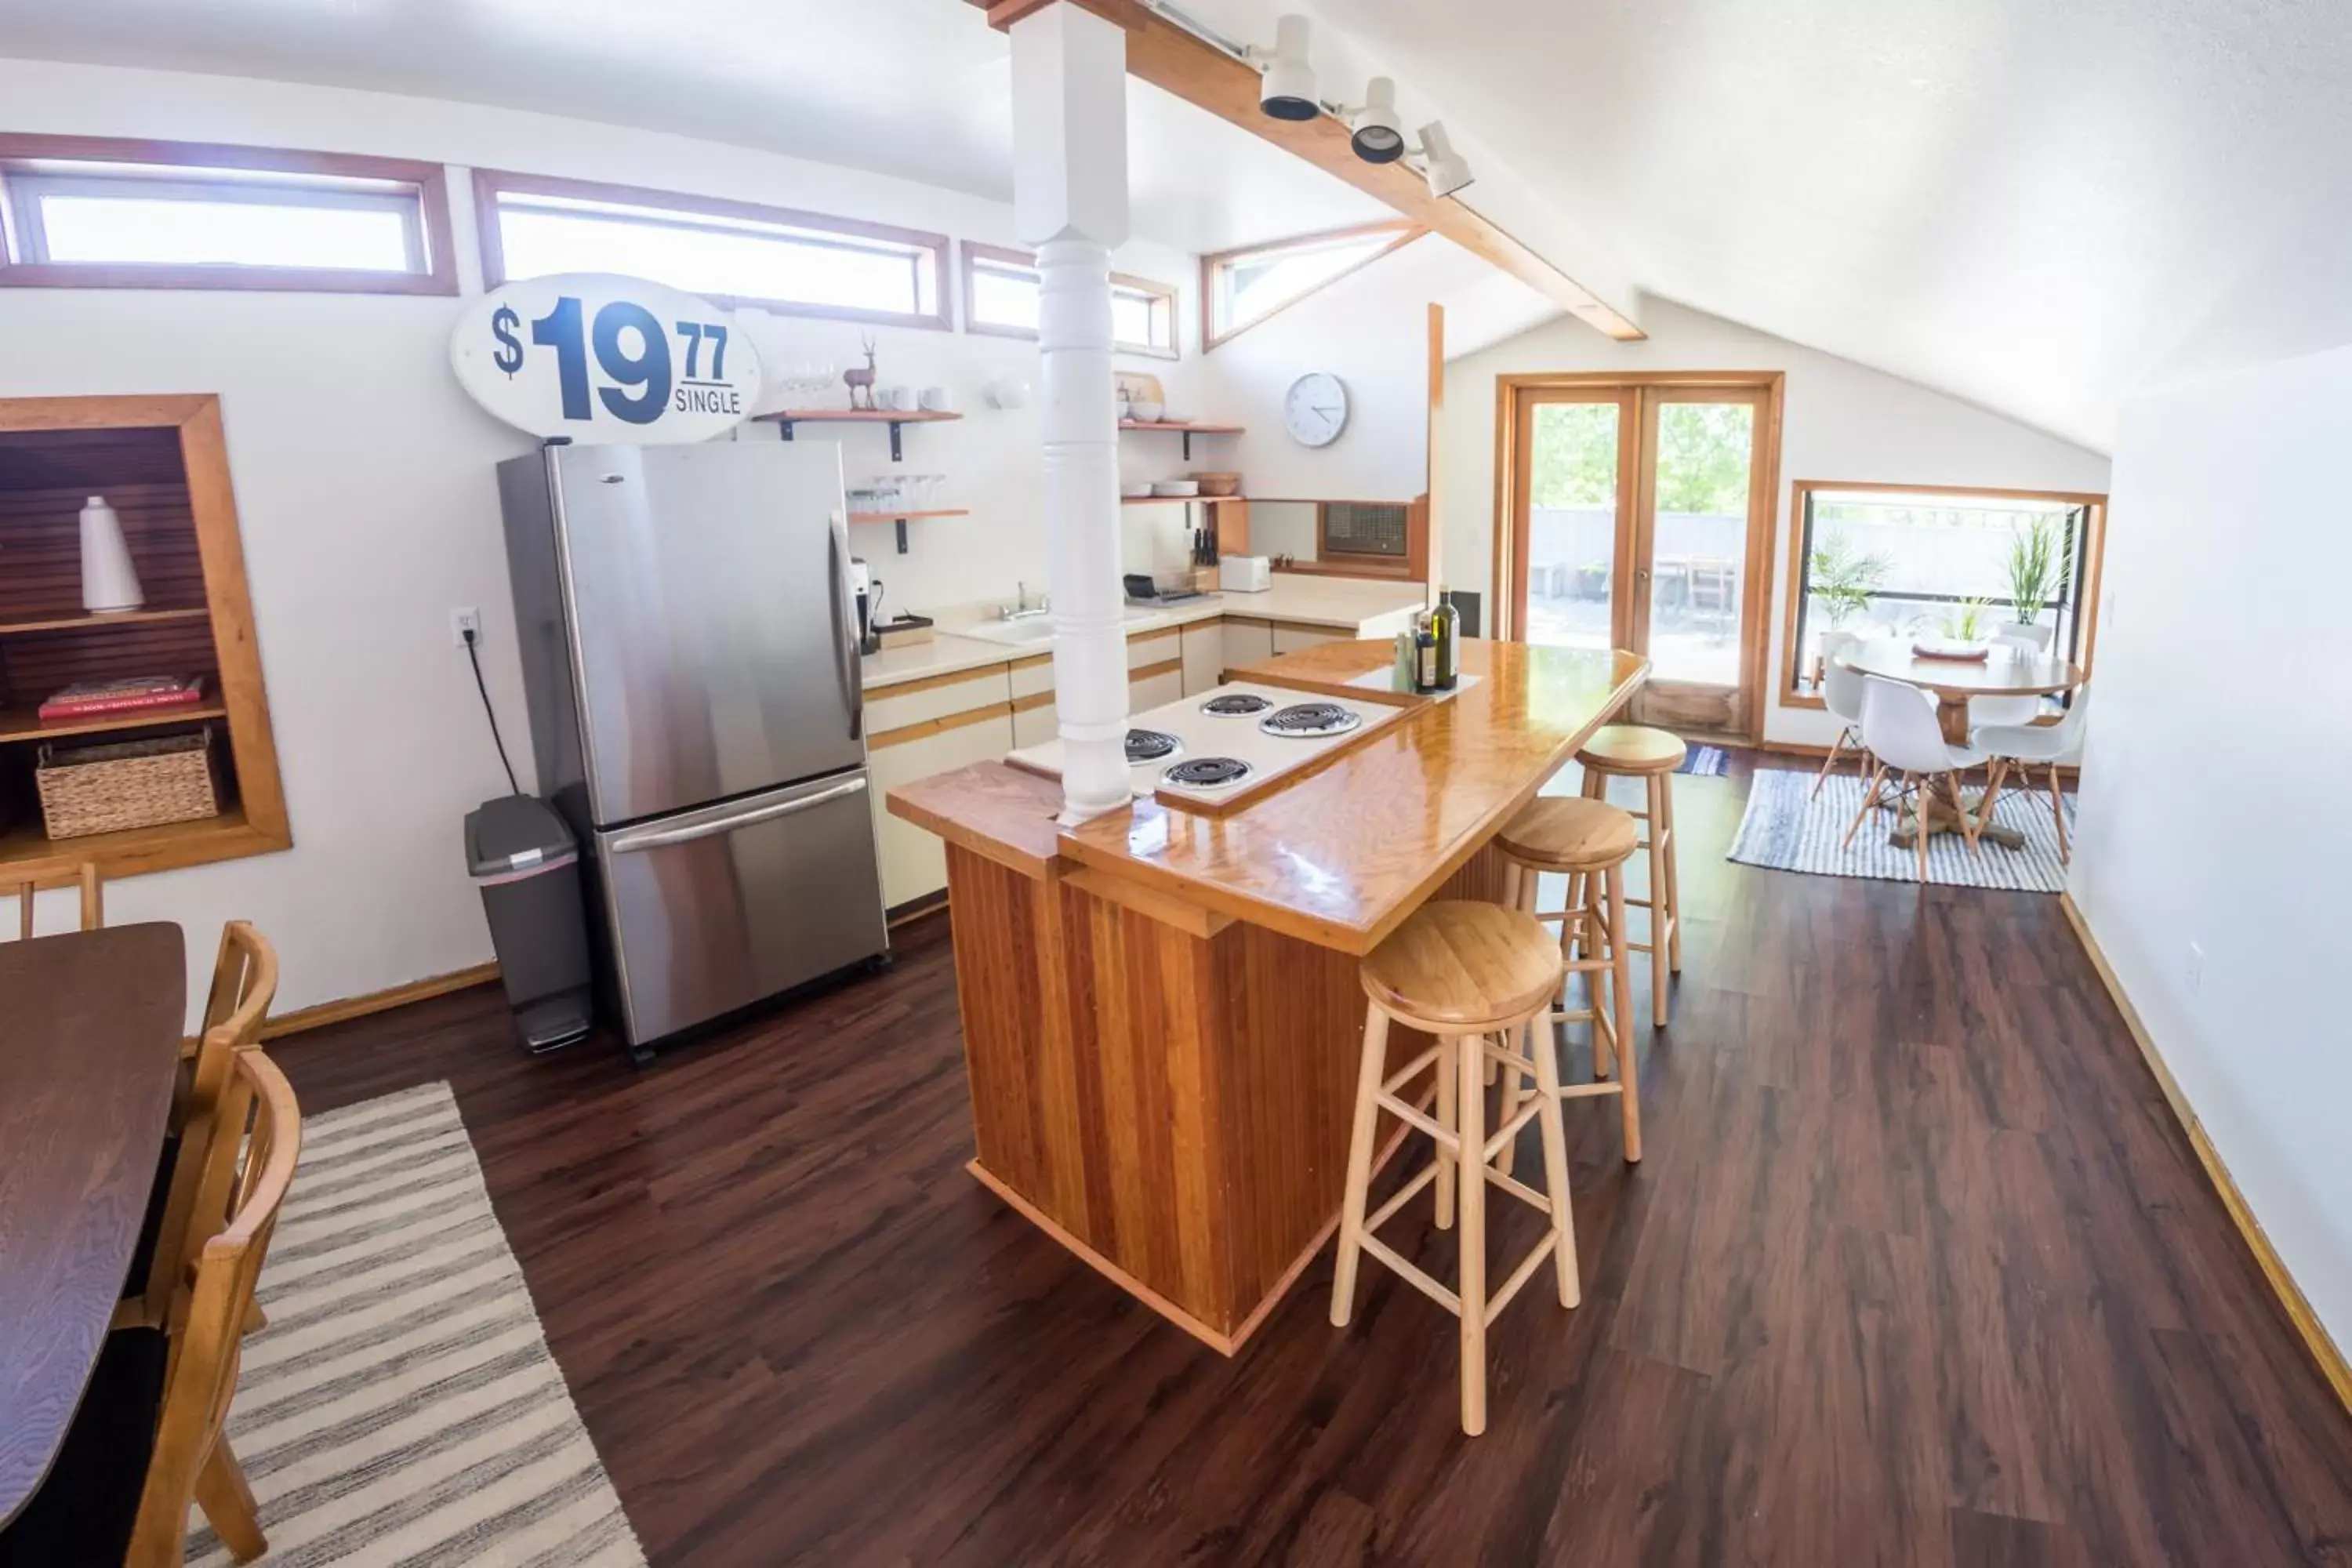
[1039, 629]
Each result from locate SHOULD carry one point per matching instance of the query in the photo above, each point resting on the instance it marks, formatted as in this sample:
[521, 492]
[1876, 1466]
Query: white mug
[903, 398]
[936, 399]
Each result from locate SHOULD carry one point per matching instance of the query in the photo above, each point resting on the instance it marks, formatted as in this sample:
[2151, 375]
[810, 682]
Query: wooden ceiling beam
[1169, 58]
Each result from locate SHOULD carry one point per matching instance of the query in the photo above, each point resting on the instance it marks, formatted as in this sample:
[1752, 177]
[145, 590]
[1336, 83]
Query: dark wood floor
[1920, 1270]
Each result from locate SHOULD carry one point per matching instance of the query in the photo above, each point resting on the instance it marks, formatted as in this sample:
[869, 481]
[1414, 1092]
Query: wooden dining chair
[93, 896]
[193, 1460]
[148, 1438]
[202, 1163]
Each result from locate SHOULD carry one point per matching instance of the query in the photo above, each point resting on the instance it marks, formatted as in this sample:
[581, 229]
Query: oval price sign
[599, 357]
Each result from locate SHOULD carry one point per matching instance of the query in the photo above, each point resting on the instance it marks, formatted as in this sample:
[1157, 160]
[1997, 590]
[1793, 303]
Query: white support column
[1069, 194]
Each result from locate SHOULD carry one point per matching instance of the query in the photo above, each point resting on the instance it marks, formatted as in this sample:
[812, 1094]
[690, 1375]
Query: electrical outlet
[2196, 967]
[463, 621]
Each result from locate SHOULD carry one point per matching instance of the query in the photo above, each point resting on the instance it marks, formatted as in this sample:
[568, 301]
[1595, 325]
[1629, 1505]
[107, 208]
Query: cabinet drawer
[1032, 674]
[1289, 638]
[935, 697]
[1156, 647]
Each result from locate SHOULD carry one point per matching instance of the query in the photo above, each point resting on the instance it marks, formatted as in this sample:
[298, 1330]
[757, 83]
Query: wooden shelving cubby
[161, 462]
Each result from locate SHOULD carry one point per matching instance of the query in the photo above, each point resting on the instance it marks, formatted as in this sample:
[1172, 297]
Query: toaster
[1245, 574]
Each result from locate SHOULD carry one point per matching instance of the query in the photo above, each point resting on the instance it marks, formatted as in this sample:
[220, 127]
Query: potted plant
[1841, 580]
[2038, 570]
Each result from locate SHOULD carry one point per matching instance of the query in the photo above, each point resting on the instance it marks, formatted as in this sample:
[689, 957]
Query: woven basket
[128, 783]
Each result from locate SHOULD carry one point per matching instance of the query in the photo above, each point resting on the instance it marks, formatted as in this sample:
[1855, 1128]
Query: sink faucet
[1023, 609]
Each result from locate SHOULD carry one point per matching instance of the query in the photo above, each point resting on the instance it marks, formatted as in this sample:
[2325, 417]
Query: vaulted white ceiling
[2037, 206]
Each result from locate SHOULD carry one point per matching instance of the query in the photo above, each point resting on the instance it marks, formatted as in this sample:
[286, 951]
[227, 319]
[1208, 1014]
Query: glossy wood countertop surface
[1344, 854]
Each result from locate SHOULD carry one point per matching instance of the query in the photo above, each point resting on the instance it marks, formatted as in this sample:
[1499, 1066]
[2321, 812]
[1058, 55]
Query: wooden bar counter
[1161, 1012]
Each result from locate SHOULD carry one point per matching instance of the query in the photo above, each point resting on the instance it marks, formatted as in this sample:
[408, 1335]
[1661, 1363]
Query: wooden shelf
[25, 723]
[25, 850]
[85, 621]
[1186, 428]
[860, 416]
[906, 515]
[902, 519]
[1182, 500]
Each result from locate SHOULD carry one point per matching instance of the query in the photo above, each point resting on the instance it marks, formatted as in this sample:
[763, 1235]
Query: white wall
[1839, 421]
[365, 489]
[1371, 329]
[2227, 638]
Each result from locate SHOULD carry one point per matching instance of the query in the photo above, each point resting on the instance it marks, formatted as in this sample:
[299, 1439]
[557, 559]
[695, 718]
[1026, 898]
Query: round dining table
[2004, 672]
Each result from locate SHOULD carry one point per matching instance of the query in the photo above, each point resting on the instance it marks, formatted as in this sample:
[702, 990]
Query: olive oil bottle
[1445, 627]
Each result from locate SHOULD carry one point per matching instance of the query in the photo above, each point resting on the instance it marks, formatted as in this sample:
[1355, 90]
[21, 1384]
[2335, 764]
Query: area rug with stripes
[401, 1406]
[1787, 830]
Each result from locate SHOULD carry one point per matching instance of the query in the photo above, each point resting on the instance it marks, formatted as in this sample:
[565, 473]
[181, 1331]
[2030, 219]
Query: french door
[1638, 514]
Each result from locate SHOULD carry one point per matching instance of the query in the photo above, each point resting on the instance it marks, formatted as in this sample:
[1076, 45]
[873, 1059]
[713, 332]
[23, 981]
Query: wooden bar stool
[1589, 841]
[1473, 974]
[1636, 750]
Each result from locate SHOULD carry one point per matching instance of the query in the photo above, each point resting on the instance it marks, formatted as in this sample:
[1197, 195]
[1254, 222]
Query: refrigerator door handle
[844, 626]
[712, 824]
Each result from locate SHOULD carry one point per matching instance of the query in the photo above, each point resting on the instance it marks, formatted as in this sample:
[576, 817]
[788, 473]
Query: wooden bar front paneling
[1162, 1074]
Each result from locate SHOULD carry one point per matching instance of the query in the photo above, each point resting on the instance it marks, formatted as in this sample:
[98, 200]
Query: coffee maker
[869, 600]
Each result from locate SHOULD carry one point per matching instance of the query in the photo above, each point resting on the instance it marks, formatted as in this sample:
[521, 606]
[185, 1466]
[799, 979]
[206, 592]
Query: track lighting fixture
[1377, 136]
[1286, 90]
[1442, 166]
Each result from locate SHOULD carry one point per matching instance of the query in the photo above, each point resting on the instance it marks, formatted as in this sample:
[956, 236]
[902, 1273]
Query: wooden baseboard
[2324, 1349]
[325, 1012]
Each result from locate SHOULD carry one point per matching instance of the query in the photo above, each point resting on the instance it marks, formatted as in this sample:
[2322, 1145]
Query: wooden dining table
[89, 1046]
[2004, 672]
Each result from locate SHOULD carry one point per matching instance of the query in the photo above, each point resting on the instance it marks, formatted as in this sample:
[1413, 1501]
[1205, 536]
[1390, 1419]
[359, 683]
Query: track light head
[1378, 135]
[1442, 166]
[1287, 91]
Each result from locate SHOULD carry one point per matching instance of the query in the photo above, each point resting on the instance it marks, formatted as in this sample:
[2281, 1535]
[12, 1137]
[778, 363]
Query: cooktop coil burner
[1207, 773]
[1310, 719]
[1236, 704]
[1151, 745]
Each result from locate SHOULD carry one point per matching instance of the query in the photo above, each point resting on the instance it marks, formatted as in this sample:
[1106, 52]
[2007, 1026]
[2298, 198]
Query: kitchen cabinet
[1288, 638]
[1162, 645]
[1151, 690]
[1246, 641]
[914, 862]
[1204, 655]
[1035, 726]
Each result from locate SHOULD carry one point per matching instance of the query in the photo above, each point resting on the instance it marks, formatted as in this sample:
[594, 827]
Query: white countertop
[1343, 603]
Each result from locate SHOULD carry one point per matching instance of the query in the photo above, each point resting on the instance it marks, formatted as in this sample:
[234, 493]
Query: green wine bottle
[1445, 626]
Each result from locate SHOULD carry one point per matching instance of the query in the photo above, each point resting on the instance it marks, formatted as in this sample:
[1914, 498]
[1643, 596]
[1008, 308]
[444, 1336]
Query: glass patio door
[1641, 519]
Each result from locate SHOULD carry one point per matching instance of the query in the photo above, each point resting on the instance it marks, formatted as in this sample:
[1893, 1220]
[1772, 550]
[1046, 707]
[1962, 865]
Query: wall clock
[1314, 410]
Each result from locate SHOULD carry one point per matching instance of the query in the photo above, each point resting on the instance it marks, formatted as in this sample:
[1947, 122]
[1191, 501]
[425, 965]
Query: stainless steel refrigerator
[690, 651]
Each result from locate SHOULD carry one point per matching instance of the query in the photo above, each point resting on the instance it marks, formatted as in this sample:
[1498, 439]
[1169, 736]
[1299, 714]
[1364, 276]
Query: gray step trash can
[523, 857]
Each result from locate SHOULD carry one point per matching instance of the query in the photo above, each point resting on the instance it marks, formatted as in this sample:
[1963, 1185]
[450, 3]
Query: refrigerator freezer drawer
[712, 909]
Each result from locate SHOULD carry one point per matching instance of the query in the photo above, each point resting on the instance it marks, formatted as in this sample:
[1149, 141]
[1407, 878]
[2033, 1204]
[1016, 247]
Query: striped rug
[402, 1406]
[1785, 831]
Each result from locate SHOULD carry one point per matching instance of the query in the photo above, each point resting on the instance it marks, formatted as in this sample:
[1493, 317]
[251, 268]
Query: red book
[87, 699]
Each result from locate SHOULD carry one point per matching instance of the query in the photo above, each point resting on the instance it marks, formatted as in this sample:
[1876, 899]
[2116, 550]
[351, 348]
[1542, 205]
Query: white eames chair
[2008, 711]
[1842, 694]
[1899, 730]
[2022, 746]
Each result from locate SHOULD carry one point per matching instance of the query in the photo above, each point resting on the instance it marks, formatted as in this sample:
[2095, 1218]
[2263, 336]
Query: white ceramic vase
[109, 582]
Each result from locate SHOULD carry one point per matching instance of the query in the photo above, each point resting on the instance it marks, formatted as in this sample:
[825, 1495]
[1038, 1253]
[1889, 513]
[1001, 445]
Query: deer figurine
[862, 381]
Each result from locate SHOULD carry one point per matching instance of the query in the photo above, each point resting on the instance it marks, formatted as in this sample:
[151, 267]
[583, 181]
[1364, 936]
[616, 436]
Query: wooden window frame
[1801, 491]
[428, 182]
[1216, 264]
[975, 254]
[489, 184]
